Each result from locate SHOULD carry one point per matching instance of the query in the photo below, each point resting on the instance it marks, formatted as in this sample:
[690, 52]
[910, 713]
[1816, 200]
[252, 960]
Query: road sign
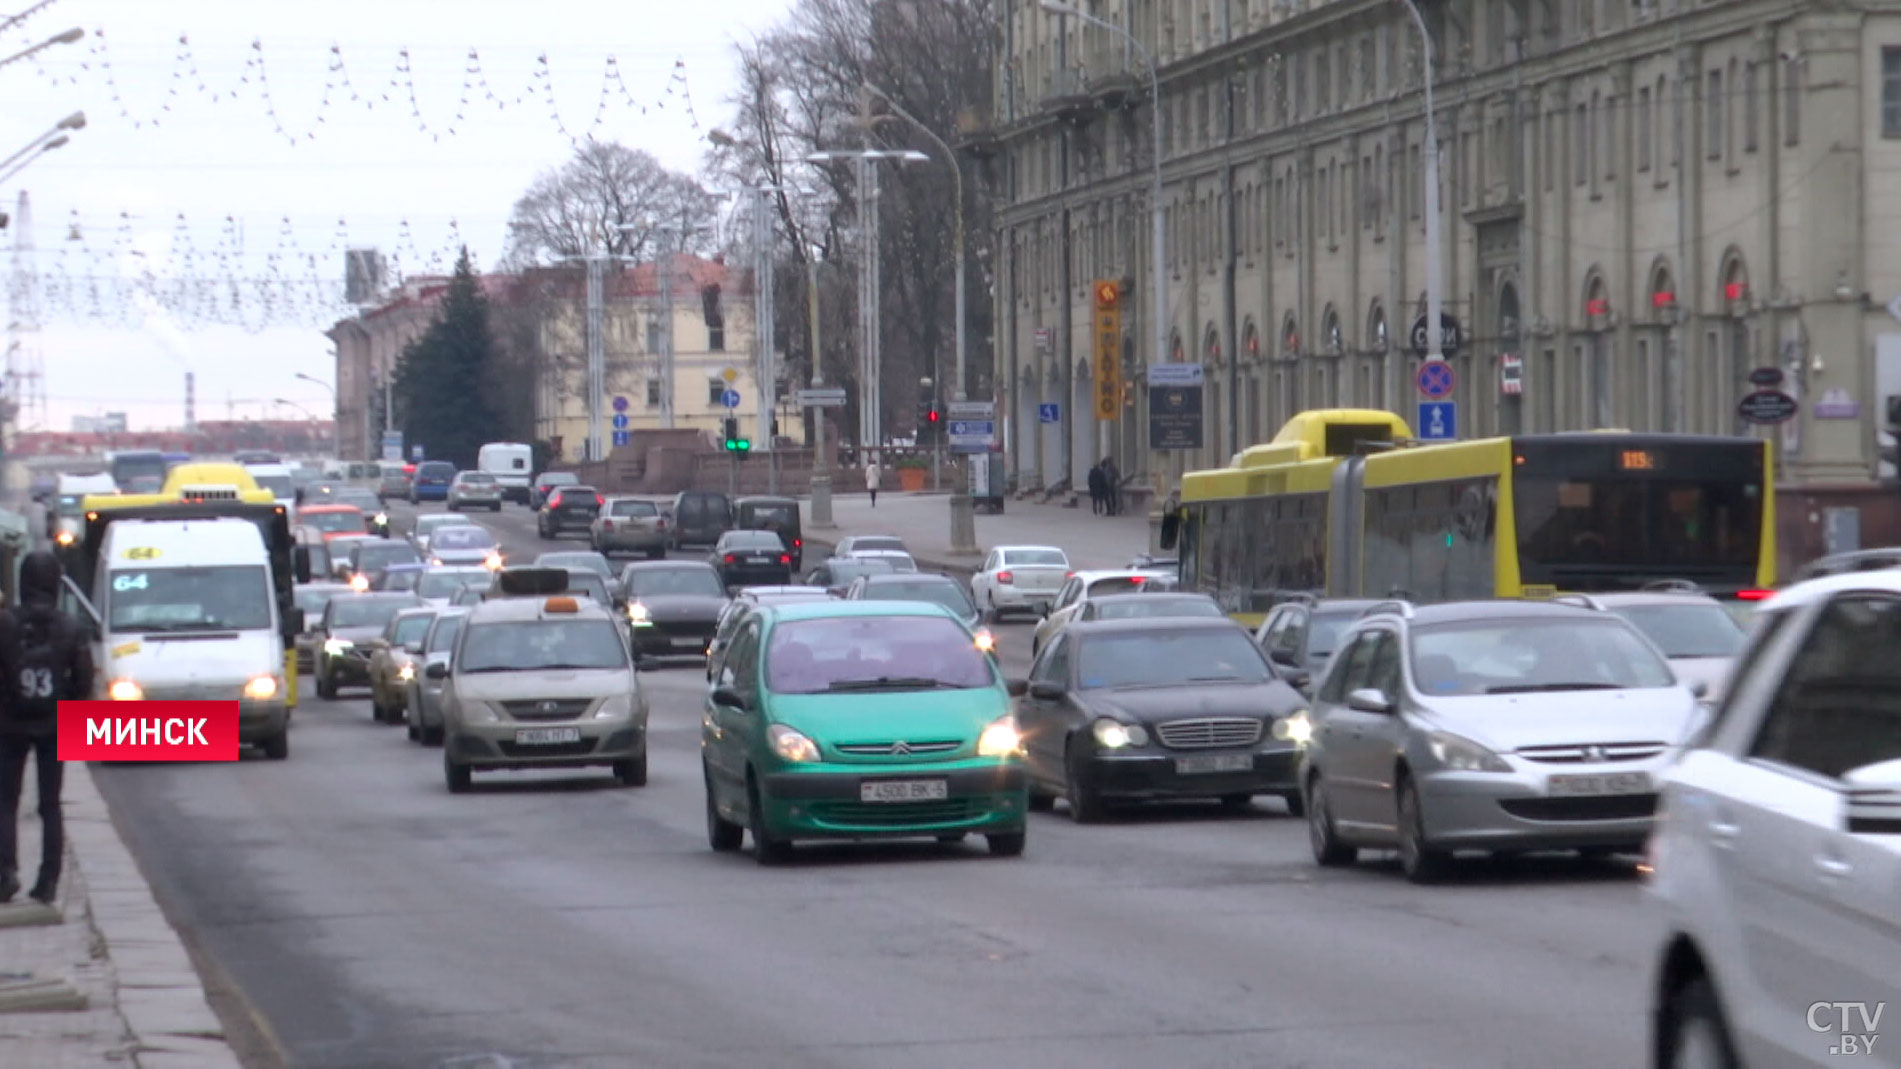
[623, 437]
[731, 374]
[1766, 406]
[1835, 403]
[1511, 375]
[415, 452]
[1449, 336]
[619, 421]
[1438, 421]
[972, 427]
[1766, 377]
[392, 445]
[1175, 410]
[730, 399]
[979, 410]
[620, 404]
[1436, 380]
[821, 397]
[1050, 413]
[1175, 375]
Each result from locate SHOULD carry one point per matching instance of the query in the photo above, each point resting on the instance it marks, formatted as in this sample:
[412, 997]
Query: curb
[159, 991]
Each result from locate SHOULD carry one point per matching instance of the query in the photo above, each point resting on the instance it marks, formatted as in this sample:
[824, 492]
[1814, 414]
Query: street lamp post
[1435, 342]
[821, 460]
[1158, 262]
[66, 38]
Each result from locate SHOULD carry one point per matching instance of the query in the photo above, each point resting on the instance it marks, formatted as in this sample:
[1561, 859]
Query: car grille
[897, 814]
[549, 709]
[1209, 732]
[559, 749]
[1593, 754]
[1602, 807]
[684, 628]
[891, 749]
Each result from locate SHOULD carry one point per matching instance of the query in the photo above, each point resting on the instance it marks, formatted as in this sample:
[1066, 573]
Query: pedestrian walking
[1098, 491]
[45, 658]
[872, 477]
[1112, 479]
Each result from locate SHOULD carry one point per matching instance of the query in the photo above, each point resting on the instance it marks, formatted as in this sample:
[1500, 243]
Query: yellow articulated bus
[1344, 503]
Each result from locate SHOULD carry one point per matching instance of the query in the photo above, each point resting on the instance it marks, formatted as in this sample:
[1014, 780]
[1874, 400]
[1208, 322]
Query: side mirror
[1369, 700]
[300, 563]
[1018, 687]
[436, 670]
[1043, 611]
[1298, 678]
[728, 697]
[1048, 692]
[1171, 530]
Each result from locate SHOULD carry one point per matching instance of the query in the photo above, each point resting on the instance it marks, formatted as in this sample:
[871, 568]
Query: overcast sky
[215, 150]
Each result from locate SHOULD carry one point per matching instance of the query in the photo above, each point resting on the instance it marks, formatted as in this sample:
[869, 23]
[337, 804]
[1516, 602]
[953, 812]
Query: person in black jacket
[45, 658]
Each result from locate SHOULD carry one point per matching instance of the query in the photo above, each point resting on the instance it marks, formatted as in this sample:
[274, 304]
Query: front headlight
[1463, 755]
[65, 538]
[359, 583]
[1115, 735]
[382, 519]
[493, 561]
[124, 690]
[479, 713]
[406, 672]
[435, 560]
[1000, 738]
[261, 688]
[618, 707]
[986, 641]
[638, 614]
[335, 646]
[790, 745]
[1296, 728]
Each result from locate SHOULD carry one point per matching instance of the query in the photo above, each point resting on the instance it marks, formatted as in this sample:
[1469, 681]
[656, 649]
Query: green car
[858, 720]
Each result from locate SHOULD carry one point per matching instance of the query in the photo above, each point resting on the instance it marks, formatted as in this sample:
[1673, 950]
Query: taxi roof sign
[561, 604]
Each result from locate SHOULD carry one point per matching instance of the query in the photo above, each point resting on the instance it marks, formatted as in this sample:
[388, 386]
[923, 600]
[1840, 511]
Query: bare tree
[607, 197]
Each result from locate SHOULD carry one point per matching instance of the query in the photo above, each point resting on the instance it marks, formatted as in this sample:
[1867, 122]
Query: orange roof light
[563, 605]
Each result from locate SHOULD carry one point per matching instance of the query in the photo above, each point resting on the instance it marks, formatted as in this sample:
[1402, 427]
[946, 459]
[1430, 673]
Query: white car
[1777, 853]
[429, 523]
[1019, 579]
[852, 545]
[1078, 588]
[899, 559]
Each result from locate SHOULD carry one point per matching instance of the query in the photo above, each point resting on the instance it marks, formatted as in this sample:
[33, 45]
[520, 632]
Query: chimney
[191, 403]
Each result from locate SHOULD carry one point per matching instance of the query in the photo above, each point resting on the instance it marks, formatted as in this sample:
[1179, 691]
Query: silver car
[630, 525]
[427, 524]
[470, 545]
[1699, 636]
[474, 490]
[1498, 726]
[422, 713]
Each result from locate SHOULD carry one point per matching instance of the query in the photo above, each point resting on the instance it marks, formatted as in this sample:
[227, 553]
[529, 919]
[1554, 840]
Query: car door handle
[1833, 867]
[1724, 833]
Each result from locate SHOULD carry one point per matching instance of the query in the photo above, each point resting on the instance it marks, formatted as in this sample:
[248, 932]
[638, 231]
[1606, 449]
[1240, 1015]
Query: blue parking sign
[1049, 413]
[1438, 421]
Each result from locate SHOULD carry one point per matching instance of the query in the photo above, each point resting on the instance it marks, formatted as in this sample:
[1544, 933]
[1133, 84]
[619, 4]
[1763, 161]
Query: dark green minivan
[856, 720]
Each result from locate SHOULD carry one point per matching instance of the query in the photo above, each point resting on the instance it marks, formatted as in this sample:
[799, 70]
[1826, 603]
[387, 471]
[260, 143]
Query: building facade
[1648, 210]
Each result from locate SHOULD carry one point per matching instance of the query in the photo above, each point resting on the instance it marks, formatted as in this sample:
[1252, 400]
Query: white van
[278, 479]
[512, 464]
[66, 511]
[186, 610]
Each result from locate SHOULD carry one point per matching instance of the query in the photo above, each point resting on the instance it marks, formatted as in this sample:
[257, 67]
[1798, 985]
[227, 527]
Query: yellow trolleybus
[1344, 503]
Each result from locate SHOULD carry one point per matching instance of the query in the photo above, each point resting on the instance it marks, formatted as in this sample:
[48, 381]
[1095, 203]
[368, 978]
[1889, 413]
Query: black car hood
[682, 606]
[1151, 705]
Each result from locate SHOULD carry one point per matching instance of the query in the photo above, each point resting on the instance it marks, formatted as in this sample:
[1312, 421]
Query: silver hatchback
[474, 490]
[1498, 726]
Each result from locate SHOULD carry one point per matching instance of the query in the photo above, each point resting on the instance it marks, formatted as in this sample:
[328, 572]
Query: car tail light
[797, 542]
[785, 558]
[607, 525]
[1138, 580]
[1753, 595]
[729, 558]
[599, 501]
[660, 524]
[1006, 578]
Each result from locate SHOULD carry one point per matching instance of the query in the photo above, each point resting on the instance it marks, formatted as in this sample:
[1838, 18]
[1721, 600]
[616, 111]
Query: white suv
[1777, 851]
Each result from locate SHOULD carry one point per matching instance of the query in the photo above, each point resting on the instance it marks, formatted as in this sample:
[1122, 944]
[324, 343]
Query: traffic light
[933, 419]
[736, 445]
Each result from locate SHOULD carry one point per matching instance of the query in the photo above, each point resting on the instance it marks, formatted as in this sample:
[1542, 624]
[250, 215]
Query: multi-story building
[1649, 209]
[543, 313]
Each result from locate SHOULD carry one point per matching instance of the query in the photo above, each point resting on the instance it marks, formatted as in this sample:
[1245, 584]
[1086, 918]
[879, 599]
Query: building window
[653, 335]
[1369, 69]
[1792, 99]
[1644, 134]
[1417, 193]
[1580, 146]
[1752, 108]
[715, 319]
[1891, 92]
[1608, 152]
[715, 392]
[1323, 82]
[653, 393]
[1713, 114]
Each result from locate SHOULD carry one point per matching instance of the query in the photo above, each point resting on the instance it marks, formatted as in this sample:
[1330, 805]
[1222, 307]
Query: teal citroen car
[860, 720]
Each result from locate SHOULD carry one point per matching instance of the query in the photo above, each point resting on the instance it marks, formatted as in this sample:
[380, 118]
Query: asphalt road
[368, 918]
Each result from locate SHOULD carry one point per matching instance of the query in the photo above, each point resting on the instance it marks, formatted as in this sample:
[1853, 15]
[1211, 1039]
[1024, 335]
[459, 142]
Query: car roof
[1150, 599]
[529, 607]
[1625, 598]
[889, 578]
[765, 499]
[666, 565]
[377, 595]
[832, 608]
[326, 585]
[1039, 549]
[418, 610]
[1094, 574]
[1144, 624]
[782, 591]
[334, 506]
[1491, 609]
[1338, 605]
[1813, 590]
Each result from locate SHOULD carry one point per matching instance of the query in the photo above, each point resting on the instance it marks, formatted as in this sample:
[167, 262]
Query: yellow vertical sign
[1108, 330]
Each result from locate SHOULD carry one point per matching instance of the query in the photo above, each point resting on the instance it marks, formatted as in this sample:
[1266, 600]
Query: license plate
[544, 736]
[904, 790]
[1201, 764]
[1604, 783]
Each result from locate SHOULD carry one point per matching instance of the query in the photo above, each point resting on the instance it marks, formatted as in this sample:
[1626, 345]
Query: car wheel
[409, 728]
[326, 687]
[1085, 805]
[632, 773]
[1296, 805]
[1417, 858]
[1039, 801]
[1007, 843]
[1329, 851]
[458, 776]
[722, 835]
[766, 849]
[1692, 1032]
[432, 736]
[277, 747]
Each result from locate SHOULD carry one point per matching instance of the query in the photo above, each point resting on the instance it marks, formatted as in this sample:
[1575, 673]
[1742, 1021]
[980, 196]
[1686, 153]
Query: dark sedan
[752, 558]
[1154, 708]
[370, 558]
[674, 606]
[569, 508]
[351, 632]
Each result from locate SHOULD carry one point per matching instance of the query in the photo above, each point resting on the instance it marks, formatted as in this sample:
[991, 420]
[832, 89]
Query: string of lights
[340, 87]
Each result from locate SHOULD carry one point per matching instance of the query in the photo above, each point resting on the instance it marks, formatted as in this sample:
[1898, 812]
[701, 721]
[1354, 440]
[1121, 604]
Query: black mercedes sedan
[1156, 708]
[673, 606]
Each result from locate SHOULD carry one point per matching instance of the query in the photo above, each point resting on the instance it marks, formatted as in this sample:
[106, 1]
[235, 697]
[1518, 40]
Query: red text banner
[148, 731]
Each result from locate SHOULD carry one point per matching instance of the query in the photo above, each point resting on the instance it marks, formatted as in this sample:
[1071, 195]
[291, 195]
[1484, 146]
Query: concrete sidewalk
[923, 521]
[99, 979]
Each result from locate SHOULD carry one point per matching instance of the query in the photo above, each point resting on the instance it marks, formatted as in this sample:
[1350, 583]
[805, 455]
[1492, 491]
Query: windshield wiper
[1213, 679]
[1527, 688]
[891, 683]
[201, 625]
[571, 668]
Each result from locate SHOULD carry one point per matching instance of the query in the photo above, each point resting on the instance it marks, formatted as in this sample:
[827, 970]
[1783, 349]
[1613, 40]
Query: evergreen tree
[440, 378]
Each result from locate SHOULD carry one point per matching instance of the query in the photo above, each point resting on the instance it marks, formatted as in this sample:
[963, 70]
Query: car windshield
[71, 504]
[467, 536]
[445, 584]
[376, 553]
[559, 478]
[443, 637]
[411, 629]
[783, 517]
[1687, 630]
[401, 577]
[334, 520]
[634, 508]
[585, 562]
[895, 561]
[362, 499]
[1521, 656]
[1121, 584]
[752, 540]
[1323, 631]
[588, 583]
[1031, 558]
[1170, 658]
[313, 601]
[660, 582]
[367, 612]
[542, 645]
[1146, 608]
[878, 543]
[280, 486]
[947, 594]
[216, 598]
[874, 653]
[844, 571]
